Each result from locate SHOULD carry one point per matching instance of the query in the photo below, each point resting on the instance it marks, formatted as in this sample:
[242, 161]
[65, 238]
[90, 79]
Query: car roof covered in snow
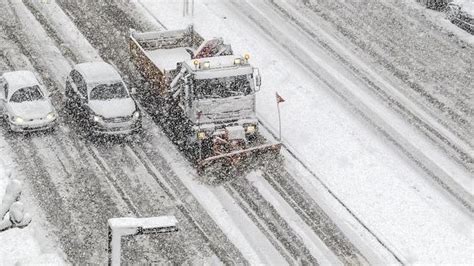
[20, 79]
[98, 72]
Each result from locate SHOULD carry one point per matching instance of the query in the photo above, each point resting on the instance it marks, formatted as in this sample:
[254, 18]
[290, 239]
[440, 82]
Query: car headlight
[51, 116]
[97, 118]
[18, 120]
[250, 129]
[201, 135]
[136, 115]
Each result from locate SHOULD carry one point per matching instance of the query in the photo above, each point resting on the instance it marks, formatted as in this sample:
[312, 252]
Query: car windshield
[27, 94]
[223, 87]
[109, 91]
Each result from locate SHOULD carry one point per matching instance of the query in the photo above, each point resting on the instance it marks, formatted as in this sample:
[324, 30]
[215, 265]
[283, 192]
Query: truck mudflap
[235, 157]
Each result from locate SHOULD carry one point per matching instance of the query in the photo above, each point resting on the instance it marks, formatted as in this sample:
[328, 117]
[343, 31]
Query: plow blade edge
[235, 156]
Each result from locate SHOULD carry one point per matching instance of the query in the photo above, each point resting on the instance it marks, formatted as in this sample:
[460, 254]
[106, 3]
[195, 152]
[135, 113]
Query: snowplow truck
[212, 89]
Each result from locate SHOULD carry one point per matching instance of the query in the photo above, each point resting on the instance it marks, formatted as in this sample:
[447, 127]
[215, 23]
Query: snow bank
[21, 246]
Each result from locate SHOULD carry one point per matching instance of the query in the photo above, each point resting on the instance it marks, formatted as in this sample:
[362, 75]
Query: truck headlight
[97, 119]
[250, 129]
[206, 65]
[18, 120]
[201, 135]
[136, 114]
[51, 116]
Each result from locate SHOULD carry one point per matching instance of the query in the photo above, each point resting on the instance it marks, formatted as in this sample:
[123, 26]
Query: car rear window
[27, 94]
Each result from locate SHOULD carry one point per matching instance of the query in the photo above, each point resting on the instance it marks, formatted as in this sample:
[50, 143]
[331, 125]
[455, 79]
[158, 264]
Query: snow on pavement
[28, 245]
[381, 186]
[232, 220]
[312, 241]
[221, 207]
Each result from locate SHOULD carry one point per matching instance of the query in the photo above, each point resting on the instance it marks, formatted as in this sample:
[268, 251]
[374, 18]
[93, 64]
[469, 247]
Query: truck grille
[117, 119]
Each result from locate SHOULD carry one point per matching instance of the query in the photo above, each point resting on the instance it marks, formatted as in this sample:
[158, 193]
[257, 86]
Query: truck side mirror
[258, 82]
[190, 52]
[258, 78]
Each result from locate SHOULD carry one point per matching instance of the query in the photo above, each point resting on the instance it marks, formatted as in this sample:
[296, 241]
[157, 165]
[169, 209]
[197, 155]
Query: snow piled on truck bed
[381, 186]
[166, 59]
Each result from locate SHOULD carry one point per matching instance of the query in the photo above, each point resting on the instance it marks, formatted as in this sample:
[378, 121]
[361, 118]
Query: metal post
[200, 150]
[185, 4]
[199, 113]
[279, 120]
[118, 227]
[109, 245]
[186, 7]
[200, 145]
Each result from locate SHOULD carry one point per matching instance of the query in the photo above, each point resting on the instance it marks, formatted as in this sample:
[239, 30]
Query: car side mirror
[82, 97]
[134, 91]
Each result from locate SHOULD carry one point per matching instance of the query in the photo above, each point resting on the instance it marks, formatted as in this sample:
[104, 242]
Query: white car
[25, 103]
[101, 99]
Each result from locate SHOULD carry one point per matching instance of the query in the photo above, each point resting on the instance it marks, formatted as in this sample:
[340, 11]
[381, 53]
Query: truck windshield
[108, 92]
[222, 87]
[27, 94]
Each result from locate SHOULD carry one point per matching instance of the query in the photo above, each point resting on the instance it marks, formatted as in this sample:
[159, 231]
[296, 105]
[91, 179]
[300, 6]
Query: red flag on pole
[199, 114]
[279, 98]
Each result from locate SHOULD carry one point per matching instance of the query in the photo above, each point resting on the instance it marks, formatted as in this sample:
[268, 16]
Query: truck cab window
[223, 87]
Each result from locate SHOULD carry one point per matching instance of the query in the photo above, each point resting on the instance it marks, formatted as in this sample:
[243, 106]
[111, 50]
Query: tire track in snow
[264, 215]
[460, 154]
[102, 162]
[342, 241]
[52, 188]
[77, 16]
[310, 212]
[77, 253]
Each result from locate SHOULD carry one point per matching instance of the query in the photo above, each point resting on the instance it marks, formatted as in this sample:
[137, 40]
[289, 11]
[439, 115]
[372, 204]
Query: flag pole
[279, 100]
[279, 121]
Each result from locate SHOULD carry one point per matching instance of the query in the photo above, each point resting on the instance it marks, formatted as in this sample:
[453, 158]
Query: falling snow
[236, 132]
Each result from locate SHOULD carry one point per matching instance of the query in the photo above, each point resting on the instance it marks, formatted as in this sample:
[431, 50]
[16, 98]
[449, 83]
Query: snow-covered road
[385, 189]
[126, 172]
[75, 189]
[346, 192]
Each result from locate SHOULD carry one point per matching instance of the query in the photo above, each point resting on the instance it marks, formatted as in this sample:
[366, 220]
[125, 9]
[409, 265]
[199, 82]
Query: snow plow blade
[233, 158]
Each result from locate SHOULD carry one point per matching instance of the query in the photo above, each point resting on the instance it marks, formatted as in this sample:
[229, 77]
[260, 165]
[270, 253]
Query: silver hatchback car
[25, 103]
[101, 100]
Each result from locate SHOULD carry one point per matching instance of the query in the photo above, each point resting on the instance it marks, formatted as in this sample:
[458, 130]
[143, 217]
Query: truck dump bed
[157, 53]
